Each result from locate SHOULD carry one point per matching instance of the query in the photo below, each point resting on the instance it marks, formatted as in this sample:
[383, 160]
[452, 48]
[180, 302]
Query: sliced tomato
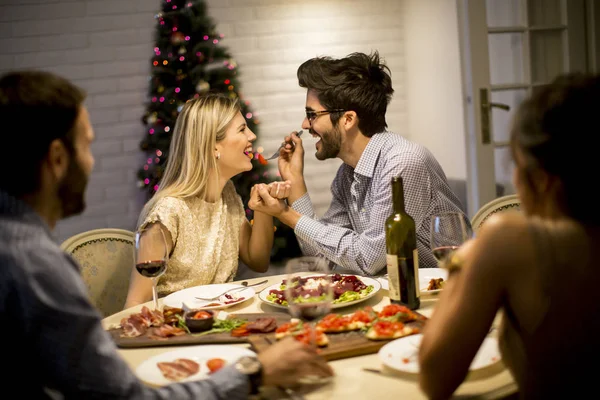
[215, 364]
[241, 331]
[333, 322]
[393, 309]
[262, 160]
[287, 327]
[362, 316]
[387, 328]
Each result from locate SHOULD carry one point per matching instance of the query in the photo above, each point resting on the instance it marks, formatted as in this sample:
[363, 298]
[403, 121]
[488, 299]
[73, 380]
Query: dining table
[359, 377]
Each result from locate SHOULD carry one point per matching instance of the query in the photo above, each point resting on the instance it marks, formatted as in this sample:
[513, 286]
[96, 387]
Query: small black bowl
[199, 324]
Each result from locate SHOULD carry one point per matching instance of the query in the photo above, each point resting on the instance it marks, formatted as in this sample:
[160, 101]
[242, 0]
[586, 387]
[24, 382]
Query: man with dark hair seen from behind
[44, 307]
[346, 103]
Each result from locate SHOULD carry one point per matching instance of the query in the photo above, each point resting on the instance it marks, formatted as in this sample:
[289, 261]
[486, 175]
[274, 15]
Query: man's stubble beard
[330, 145]
[71, 191]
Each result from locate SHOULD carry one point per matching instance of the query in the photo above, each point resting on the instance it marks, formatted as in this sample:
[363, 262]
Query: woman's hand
[280, 190]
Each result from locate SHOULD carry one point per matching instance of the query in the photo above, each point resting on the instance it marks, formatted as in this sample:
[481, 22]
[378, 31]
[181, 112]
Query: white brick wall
[105, 46]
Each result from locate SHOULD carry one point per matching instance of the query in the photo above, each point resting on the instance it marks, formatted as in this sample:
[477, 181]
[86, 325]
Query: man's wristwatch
[251, 367]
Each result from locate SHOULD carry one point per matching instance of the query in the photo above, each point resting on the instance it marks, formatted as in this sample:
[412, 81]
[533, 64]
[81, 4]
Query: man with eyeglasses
[346, 102]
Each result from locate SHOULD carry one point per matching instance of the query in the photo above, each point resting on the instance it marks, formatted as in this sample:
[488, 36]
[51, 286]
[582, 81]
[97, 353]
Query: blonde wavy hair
[200, 125]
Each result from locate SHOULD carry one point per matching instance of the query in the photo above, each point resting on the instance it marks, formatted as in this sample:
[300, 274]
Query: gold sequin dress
[205, 239]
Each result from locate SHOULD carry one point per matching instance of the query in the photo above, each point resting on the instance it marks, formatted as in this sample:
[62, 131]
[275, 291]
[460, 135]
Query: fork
[274, 156]
[244, 284]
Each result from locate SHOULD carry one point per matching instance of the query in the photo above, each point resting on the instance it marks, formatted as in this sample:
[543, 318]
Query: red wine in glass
[442, 252]
[151, 269]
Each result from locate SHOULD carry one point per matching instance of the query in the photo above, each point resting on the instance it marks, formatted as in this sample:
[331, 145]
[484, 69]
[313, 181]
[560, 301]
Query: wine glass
[151, 256]
[448, 232]
[309, 294]
[308, 287]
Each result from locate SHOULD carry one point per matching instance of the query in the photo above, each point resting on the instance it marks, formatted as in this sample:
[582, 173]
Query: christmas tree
[189, 61]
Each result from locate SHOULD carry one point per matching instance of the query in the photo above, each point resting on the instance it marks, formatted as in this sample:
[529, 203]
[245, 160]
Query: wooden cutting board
[212, 338]
[341, 345]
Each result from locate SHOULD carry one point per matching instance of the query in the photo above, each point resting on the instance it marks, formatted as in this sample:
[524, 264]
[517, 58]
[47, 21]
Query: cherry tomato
[201, 315]
[215, 364]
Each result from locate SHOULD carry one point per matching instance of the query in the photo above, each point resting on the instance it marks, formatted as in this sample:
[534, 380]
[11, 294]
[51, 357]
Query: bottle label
[416, 265]
[393, 276]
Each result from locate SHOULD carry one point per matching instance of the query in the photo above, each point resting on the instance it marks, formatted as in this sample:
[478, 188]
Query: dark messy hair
[358, 83]
[36, 108]
[556, 129]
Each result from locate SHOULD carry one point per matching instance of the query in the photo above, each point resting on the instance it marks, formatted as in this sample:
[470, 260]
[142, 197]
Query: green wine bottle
[401, 248]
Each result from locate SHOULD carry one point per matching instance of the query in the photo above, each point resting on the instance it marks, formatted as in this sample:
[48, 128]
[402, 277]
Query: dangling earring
[218, 155]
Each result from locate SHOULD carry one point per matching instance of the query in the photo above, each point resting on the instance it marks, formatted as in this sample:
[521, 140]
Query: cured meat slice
[155, 317]
[165, 331]
[190, 365]
[133, 327]
[262, 325]
[178, 369]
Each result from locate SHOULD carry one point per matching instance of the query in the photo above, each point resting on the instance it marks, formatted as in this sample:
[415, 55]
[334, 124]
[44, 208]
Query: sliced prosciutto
[178, 369]
[133, 326]
[138, 323]
[155, 317]
[165, 331]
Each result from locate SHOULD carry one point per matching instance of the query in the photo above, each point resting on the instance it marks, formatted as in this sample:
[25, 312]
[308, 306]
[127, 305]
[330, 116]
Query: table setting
[384, 368]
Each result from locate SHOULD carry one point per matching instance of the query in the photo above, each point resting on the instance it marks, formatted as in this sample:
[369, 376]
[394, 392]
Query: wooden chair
[106, 257]
[501, 204]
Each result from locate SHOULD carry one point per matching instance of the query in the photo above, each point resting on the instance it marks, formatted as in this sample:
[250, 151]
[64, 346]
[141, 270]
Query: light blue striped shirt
[351, 234]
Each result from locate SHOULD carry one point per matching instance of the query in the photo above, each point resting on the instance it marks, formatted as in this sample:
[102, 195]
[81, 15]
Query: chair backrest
[106, 257]
[510, 202]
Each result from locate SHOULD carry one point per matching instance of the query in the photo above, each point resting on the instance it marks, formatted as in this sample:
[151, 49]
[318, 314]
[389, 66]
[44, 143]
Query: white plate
[188, 296]
[425, 275]
[366, 280]
[149, 372]
[402, 354]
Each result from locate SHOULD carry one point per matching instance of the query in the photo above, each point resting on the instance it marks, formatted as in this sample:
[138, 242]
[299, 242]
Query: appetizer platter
[342, 336]
[173, 326]
[347, 290]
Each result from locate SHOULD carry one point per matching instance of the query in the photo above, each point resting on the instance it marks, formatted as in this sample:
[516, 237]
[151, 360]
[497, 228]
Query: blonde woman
[197, 207]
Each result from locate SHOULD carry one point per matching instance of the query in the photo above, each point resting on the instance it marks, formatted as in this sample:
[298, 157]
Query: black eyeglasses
[312, 115]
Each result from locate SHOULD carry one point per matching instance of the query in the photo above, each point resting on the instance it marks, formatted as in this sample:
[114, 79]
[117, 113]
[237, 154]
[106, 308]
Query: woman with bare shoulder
[536, 267]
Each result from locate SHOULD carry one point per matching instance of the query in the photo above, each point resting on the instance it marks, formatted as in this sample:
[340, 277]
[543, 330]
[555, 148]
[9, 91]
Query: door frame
[481, 183]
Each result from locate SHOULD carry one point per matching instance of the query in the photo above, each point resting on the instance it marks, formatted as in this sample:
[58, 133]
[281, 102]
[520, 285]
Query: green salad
[311, 283]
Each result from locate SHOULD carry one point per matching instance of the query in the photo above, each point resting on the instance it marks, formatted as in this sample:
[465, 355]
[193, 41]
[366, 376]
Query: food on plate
[231, 298]
[151, 322]
[262, 325]
[436, 284]
[164, 332]
[343, 323]
[346, 288]
[215, 364]
[301, 332]
[384, 330]
[171, 315]
[224, 325]
[178, 369]
[398, 313]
